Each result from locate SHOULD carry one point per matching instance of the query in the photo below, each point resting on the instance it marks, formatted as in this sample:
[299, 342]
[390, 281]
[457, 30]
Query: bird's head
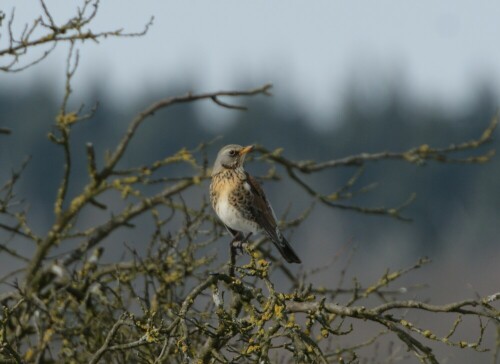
[231, 156]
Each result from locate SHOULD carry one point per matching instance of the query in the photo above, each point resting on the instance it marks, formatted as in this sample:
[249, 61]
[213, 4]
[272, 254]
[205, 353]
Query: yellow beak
[246, 150]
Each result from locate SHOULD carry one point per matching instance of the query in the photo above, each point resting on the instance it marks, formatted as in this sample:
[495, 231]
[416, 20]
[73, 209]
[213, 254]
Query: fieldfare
[240, 202]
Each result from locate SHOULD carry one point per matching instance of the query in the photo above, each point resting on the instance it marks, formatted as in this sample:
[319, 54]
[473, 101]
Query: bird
[240, 203]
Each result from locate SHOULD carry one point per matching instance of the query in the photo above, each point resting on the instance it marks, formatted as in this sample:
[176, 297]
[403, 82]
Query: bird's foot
[237, 246]
[239, 243]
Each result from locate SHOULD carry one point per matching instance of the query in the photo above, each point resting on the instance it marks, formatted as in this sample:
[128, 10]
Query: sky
[310, 50]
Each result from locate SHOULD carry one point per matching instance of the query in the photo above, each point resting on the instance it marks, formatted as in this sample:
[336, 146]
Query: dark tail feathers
[286, 251]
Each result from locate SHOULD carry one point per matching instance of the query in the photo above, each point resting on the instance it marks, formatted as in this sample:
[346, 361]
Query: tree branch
[139, 119]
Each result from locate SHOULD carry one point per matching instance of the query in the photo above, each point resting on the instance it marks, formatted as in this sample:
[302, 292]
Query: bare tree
[176, 303]
[44, 34]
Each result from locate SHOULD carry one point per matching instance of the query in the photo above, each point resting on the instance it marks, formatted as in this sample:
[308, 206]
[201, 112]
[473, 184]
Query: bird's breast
[229, 199]
[232, 216]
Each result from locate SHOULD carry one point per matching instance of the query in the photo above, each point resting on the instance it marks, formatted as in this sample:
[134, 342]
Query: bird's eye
[232, 152]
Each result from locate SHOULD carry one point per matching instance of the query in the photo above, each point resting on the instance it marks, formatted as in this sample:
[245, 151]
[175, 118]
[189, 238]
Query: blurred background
[349, 77]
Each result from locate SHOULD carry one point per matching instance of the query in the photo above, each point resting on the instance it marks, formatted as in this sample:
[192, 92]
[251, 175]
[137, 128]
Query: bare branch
[82, 297]
[111, 334]
[414, 155]
[52, 34]
[139, 119]
[418, 155]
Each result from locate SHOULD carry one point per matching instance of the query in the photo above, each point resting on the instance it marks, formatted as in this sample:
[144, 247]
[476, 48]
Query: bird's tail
[286, 250]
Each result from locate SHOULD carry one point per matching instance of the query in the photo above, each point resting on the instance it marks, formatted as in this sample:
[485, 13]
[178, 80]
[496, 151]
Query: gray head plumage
[231, 156]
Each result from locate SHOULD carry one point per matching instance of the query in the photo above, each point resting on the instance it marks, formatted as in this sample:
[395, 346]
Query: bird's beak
[246, 150]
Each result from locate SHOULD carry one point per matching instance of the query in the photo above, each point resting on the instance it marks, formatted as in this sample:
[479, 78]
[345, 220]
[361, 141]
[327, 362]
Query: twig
[139, 119]
[72, 31]
[413, 155]
[106, 345]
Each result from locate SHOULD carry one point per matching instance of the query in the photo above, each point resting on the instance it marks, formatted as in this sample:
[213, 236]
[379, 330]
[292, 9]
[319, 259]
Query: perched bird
[240, 202]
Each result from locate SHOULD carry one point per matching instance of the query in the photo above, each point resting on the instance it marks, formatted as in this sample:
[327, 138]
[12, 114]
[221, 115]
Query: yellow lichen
[429, 334]
[172, 277]
[424, 148]
[30, 353]
[126, 190]
[67, 119]
[76, 203]
[129, 180]
[252, 348]
[278, 311]
[393, 276]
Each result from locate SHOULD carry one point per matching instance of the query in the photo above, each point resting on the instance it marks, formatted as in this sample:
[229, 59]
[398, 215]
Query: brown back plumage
[263, 214]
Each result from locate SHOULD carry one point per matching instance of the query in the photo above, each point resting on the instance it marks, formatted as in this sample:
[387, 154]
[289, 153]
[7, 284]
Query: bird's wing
[263, 213]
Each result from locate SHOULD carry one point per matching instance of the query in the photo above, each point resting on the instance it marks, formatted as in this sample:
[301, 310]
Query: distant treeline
[442, 190]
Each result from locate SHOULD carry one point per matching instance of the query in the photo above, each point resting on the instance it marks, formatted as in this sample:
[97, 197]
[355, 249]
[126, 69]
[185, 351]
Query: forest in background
[111, 252]
[456, 205]
[454, 214]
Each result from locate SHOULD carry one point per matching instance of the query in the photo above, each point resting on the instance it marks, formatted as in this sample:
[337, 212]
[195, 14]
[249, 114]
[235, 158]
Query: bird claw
[239, 243]
[237, 246]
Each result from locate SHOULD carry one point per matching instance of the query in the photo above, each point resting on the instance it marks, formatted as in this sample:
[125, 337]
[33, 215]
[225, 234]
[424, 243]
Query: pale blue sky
[308, 49]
